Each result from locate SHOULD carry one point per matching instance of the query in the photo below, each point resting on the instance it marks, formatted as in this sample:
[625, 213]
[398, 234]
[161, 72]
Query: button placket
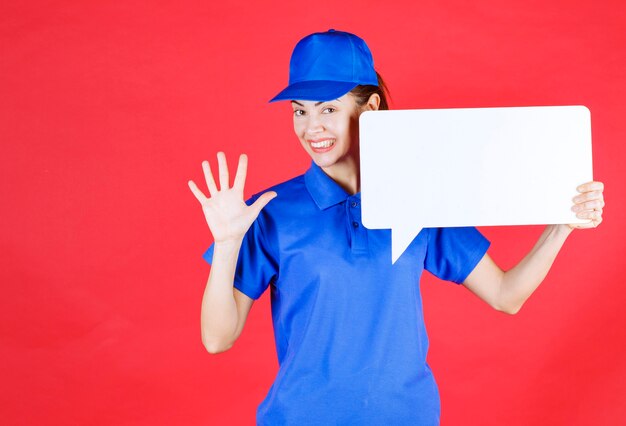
[358, 232]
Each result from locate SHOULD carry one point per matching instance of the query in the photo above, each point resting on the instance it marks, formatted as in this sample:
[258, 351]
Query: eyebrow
[317, 103]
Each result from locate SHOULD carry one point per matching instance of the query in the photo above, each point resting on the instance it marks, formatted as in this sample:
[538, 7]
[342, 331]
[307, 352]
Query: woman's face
[328, 131]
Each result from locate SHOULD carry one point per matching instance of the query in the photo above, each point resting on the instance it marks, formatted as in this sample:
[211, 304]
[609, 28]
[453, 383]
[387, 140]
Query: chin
[322, 162]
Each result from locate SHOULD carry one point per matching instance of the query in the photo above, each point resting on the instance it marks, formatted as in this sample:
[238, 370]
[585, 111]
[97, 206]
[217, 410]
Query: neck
[347, 174]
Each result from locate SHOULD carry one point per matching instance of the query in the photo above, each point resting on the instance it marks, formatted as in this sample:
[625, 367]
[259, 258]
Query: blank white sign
[471, 167]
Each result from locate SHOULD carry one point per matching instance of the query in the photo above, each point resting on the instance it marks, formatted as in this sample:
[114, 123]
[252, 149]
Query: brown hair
[362, 93]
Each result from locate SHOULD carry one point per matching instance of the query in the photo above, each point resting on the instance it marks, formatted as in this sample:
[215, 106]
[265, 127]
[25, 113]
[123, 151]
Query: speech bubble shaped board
[471, 167]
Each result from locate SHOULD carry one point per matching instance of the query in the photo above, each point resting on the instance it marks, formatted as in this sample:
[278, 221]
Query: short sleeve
[453, 253]
[256, 265]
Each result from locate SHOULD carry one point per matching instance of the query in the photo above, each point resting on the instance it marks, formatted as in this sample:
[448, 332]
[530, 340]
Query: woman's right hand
[225, 211]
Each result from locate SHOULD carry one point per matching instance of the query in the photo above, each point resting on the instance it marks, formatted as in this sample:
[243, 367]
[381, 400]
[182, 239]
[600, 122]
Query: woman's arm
[507, 291]
[224, 308]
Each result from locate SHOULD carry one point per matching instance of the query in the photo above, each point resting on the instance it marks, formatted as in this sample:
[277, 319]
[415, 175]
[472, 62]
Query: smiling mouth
[323, 144]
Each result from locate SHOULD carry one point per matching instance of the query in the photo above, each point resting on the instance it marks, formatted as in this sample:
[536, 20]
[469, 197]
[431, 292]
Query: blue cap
[326, 66]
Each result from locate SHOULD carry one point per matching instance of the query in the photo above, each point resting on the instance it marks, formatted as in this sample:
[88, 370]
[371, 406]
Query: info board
[471, 167]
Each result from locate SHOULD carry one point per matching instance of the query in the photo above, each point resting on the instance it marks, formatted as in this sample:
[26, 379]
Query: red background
[108, 108]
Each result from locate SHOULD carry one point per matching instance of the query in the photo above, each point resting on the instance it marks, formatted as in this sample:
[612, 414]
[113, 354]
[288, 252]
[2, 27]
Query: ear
[373, 102]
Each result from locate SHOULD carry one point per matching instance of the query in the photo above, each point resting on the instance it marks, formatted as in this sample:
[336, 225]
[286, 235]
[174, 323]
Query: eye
[330, 108]
[297, 112]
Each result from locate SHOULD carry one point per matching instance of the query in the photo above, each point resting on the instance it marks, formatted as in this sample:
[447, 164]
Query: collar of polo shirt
[323, 189]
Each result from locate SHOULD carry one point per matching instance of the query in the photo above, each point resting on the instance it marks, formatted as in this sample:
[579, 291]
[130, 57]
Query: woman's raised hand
[225, 211]
[589, 204]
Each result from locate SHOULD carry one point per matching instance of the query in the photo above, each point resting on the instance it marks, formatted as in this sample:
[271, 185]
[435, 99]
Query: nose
[314, 125]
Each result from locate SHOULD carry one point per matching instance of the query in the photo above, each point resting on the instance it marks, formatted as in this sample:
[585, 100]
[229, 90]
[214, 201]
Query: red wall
[108, 108]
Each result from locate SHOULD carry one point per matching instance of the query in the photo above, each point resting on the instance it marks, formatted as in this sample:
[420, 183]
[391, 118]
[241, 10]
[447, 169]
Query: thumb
[262, 201]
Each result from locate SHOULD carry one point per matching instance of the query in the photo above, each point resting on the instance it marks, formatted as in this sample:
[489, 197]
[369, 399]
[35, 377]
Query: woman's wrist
[228, 245]
[561, 230]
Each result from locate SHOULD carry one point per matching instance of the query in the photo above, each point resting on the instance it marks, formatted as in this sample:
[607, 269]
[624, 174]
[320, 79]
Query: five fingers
[223, 175]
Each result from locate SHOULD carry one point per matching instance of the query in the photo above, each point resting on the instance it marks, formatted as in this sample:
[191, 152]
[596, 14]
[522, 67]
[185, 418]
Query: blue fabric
[348, 325]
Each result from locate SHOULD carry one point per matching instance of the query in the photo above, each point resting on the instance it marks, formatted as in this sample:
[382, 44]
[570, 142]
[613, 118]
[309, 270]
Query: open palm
[225, 211]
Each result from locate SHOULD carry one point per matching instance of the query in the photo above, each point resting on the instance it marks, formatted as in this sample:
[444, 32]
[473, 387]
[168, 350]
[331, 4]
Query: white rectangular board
[471, 167]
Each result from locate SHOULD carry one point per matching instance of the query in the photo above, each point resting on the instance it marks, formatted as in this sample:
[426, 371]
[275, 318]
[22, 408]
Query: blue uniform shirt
[348, 325]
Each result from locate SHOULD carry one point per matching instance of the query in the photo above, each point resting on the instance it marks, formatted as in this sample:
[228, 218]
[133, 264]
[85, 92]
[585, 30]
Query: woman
[348, 325]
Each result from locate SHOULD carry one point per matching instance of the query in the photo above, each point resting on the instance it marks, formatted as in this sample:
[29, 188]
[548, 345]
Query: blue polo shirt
[348, 325]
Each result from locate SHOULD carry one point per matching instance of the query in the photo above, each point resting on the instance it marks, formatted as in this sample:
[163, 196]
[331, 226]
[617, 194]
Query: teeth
[323, 144]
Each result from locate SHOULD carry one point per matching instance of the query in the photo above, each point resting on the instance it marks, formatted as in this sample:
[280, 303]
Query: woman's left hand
[588, 205]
